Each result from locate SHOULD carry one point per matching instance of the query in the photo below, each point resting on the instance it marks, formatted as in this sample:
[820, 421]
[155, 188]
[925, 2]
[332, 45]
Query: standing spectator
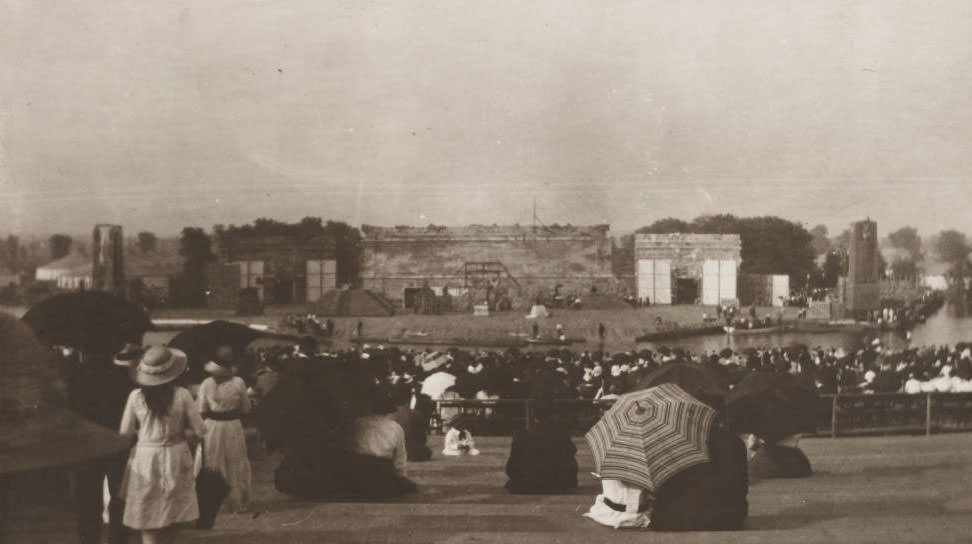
[159, 485]
[98, 388]
[222, 401]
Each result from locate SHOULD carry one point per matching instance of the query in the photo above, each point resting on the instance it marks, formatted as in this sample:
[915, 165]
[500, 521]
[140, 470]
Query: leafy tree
[59, 245]
[196, 249]
[842, 240]
[821, 242]
[666, 226]
[346, 239]
[11, 254]
[147, 242]
[347, 248]
[832, 268]
[953, 248]
[904, 269]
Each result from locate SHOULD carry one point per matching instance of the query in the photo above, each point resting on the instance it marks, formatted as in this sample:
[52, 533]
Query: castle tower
[862, 291]
[108, 270]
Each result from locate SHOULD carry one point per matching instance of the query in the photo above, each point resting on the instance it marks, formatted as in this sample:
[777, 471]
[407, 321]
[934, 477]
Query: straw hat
[159, 365]
[36, 428]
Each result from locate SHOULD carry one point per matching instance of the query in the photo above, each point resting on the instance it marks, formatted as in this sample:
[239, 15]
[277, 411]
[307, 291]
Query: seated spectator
[913, 385]
[542, 458]
[710, 496]
[707, 497]
[378, 455]
[458, 439]
[620, 505]
[415, 421]
[782, 459]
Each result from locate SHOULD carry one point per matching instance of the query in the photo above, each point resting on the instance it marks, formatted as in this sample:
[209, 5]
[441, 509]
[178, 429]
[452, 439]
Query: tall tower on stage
[108, 270]
[861, 290]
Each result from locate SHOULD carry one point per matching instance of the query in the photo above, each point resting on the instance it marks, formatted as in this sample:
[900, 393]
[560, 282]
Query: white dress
[620, 494]
[225, 441]
[159, 486]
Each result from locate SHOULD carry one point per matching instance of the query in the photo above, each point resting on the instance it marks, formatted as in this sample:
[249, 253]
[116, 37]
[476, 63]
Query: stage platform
[873, 489]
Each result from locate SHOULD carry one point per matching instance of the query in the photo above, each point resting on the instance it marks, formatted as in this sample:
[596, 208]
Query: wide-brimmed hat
[37, 430]
[159, 365]
[129, 355]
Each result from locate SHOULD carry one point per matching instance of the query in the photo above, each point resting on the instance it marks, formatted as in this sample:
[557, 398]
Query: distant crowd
[562, 373]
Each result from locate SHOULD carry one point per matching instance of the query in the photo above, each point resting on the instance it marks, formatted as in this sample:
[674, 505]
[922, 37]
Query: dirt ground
[621, 326]
[878, 489]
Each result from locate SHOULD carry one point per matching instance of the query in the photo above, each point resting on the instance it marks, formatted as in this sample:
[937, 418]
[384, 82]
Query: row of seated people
[542, 460]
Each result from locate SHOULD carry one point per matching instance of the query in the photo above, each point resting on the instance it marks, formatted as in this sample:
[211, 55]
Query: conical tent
[351, 303]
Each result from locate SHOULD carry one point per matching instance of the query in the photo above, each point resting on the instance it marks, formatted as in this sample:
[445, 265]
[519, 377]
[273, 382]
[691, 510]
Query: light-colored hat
[216, 369]
[159, 365]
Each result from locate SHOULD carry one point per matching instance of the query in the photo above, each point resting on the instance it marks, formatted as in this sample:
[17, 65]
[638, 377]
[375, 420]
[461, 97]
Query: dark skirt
[706, 497]
[542, 461]
[342, 476]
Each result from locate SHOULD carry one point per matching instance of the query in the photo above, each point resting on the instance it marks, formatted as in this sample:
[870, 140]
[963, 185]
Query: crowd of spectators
[563, 373]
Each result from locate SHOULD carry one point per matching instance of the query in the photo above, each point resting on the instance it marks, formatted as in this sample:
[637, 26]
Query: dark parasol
[200, 343]
[773, 406]
[702, 382]
[92, 321]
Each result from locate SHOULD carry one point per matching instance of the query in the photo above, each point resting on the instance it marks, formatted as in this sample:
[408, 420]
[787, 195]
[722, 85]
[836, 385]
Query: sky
[159, 114]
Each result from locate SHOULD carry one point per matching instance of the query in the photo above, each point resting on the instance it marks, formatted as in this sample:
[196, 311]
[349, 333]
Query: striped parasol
[648, 436]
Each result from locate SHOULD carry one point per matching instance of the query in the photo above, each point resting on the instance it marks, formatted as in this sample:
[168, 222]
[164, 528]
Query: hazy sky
[161, 114]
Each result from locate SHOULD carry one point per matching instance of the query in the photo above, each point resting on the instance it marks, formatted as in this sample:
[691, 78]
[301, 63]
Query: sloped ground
[881, 489]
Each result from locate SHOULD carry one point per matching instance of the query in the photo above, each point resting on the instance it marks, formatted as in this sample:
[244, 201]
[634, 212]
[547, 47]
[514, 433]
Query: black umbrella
[773, 406]
[93, 321]
[704, 383]
[201, 342]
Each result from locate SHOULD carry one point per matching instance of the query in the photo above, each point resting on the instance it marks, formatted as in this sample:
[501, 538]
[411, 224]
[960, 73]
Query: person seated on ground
[458, 439]
[779, 459]
[710, 496]
[621, 505]
[377, 456]
[706, 497]
[542, 458]
[413, 414]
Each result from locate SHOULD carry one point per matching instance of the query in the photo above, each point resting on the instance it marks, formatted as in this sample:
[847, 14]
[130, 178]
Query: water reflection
[941, 328]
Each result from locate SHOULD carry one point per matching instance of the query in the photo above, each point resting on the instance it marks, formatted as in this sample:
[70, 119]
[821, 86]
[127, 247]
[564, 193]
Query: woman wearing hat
[159, 482]
[222, 400]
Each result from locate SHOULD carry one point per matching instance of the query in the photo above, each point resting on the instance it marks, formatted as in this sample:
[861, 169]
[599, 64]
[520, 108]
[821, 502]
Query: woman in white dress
[159, 483]
[222, 400]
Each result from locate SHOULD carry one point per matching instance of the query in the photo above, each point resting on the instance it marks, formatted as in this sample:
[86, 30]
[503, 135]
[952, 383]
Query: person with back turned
[542, 458]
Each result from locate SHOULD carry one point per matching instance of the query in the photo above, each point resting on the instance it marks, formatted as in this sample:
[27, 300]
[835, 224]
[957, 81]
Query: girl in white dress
[159, 483]
[222, 400]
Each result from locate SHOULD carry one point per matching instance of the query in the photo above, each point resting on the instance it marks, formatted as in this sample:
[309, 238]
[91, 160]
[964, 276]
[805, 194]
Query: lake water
[941, 328]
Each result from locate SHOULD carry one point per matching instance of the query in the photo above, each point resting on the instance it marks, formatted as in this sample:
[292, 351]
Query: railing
[838, 415]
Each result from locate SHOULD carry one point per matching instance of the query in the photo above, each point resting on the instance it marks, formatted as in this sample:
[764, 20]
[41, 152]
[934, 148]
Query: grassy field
[879, 489]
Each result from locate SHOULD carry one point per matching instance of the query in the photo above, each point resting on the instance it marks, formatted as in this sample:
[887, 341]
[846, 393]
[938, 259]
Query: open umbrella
[201, 342]
[88, 320]
[772, 406]
[36, 428]
[648, 436]
[702, 382]
[436, 384]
